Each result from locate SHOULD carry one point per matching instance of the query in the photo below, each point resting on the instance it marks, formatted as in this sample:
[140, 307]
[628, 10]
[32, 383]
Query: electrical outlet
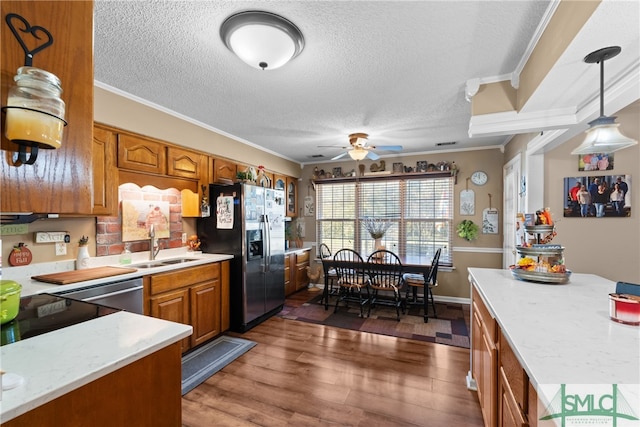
[61, 249]
[184, 238]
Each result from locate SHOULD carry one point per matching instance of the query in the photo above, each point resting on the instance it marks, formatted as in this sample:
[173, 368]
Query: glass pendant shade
[358, 153]
[603, 136]
[263, 40]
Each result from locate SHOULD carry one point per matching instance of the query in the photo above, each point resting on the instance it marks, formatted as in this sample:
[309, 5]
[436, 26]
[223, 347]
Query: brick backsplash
[109, 228]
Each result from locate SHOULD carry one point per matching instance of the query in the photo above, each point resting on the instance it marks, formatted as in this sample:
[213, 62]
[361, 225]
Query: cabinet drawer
[513, 372]
[302, 257]
[176, 279]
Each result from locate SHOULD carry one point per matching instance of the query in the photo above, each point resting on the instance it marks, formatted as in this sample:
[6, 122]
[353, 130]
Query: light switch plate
[184, 238]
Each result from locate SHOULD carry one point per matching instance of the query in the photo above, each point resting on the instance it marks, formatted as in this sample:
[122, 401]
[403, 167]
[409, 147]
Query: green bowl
[9, 300]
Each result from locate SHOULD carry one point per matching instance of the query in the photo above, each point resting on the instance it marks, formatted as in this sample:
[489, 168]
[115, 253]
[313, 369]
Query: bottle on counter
[125, 256]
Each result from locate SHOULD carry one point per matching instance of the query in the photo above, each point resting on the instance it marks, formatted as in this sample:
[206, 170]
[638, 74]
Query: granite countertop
[83, 352]
[562, 334]
[23, 275]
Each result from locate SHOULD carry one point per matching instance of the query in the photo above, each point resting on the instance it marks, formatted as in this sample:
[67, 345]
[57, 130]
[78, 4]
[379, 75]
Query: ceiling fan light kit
[261, 39]
[603, 135]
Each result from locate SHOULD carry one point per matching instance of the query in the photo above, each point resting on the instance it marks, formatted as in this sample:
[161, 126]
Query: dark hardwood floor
[302, 374]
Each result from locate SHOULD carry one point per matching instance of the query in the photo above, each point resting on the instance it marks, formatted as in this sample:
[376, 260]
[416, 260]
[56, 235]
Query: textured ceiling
[395, 70]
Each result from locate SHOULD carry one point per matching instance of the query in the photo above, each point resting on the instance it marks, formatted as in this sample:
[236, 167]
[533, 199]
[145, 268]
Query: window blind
[420, 212]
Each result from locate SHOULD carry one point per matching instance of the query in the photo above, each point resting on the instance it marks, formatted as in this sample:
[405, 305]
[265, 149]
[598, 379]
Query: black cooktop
[44, 313]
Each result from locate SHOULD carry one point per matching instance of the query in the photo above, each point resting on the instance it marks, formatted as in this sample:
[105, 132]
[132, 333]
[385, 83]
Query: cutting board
[75, 276]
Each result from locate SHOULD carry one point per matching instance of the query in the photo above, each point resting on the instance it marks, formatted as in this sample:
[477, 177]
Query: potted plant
[468, 230]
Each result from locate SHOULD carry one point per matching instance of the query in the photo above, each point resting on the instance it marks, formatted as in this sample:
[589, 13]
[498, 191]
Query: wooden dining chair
[385, 275]
[425, 281]
[330, 274]
[352, 279]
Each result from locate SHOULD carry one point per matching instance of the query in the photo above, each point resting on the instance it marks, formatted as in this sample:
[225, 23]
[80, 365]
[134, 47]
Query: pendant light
[261, 39]
[603, 135]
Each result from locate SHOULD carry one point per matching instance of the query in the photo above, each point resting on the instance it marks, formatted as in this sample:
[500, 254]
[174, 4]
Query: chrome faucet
[154, 248]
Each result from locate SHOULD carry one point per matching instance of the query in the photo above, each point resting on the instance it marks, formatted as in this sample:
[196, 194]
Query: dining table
[420, 264]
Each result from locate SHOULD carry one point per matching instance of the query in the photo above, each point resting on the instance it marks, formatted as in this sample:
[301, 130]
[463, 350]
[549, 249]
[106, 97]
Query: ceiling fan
[359, 148]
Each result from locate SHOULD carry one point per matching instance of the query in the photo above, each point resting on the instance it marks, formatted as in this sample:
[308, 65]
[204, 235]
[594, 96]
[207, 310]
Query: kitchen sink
[177, 261]
[148, 265]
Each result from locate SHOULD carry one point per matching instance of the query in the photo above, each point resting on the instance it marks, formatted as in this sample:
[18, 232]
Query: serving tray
[535, 276]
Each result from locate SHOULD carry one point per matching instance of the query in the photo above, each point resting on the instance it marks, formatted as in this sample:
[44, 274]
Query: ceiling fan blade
[339, 156]
[388, 147]
[372, 155]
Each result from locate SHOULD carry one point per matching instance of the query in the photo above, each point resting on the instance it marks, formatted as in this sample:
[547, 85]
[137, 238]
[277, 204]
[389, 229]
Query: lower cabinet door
[173, 306]
[509, 413]
[205, 311]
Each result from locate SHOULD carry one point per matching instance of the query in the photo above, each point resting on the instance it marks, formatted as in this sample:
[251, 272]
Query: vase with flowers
[376, 227]
[83, 253]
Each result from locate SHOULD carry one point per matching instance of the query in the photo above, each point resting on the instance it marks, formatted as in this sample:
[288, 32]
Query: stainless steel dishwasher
[125, 294]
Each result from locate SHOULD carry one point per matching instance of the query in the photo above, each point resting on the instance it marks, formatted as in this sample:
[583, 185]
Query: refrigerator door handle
[267, 243]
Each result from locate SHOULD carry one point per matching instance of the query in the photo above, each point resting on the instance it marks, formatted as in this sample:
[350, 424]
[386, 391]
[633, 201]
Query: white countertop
[58, 362]
[23, 274]
[562, 334]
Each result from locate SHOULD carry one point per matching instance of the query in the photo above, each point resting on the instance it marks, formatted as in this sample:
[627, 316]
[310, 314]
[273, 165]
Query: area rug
[205, 361]
[451, 327]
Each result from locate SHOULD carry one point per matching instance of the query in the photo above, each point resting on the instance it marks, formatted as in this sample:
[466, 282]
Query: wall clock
[479, 178]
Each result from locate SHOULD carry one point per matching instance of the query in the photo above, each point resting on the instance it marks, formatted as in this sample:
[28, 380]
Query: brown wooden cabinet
[485, 358]
[58, 182]
[289, 284]
[187, 164]
[302, 262]
[279, 182]
[223, 170]
[143, 393]
[141, 154]
[507, 397]
[172, 306]
[105, 186]
[292, 197]
[295, 270]
[192, 296]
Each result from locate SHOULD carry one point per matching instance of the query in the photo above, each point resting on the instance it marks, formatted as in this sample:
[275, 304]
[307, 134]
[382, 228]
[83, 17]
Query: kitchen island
[119, 369]
[557, 334]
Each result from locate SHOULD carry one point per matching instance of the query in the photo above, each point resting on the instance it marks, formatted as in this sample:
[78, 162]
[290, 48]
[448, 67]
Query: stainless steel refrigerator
[247, 222]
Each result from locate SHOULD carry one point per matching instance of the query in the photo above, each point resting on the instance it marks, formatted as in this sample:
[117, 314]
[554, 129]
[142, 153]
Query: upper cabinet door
[142, 155]
[292, 197]
[223, 170]
[105, 186]
[279, 182]
[60, 180]
[185, 163]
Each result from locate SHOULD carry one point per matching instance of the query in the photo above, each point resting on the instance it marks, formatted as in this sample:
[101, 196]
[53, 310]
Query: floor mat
[205, 361]
[451, 327]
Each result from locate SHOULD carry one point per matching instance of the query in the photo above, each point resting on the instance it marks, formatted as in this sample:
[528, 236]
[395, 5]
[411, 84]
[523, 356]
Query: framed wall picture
[595, 162]
[597, 196]
[398, 167]
[337, 172]
[421, 166]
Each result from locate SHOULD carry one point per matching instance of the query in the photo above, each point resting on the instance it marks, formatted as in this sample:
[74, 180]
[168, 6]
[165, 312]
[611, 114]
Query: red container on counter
[625, 308]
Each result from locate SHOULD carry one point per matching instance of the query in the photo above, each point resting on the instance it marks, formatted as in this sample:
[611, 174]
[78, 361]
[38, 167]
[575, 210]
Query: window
[420, 211]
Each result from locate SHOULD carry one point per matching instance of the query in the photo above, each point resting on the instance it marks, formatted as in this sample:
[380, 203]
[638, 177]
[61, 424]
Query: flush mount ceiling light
[263, 40]
[603, 135]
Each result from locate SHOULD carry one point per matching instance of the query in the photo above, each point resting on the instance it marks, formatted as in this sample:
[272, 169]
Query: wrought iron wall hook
[26, 28]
